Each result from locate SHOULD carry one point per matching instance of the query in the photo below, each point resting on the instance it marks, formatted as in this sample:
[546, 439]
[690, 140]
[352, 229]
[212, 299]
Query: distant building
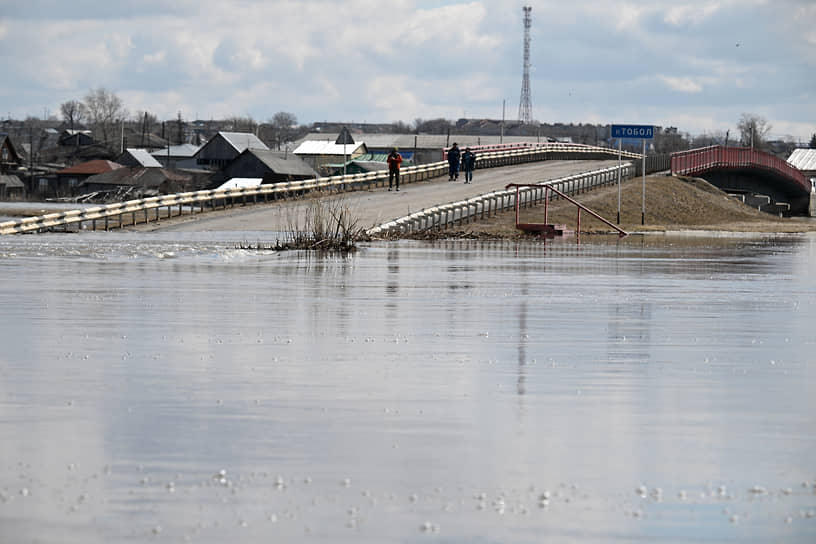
[67, 181]
[269, 166]
[179, 157]
[805, 160]
[9, 158]
[11, 188]
[138, 157]
[224, 147]
[75, 138]
[148, 181]
[320, 153]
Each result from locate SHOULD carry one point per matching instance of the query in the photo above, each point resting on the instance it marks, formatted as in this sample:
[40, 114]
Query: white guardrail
[131, 212]
[446, 215]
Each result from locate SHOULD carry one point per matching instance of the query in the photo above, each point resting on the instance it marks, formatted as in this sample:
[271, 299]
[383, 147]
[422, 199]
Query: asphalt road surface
[378, 205]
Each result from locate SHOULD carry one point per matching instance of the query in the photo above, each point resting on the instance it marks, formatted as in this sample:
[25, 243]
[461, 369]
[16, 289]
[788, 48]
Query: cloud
[681, 84]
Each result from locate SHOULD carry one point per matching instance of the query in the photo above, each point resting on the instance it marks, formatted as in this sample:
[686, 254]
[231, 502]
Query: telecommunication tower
[525, 114]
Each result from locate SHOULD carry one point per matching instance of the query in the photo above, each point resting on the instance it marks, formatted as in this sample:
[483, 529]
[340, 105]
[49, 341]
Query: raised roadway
[378, 205]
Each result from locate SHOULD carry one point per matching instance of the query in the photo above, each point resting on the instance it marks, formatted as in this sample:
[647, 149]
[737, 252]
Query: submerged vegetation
[326, 226]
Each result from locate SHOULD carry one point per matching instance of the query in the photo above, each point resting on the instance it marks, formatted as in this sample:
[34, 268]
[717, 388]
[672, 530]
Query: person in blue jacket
[468, 164]
[454, 157]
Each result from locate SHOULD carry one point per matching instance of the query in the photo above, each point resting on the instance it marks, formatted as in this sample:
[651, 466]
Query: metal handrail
[581, 207]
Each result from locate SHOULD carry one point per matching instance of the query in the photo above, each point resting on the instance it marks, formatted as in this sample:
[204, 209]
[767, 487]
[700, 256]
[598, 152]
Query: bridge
[583, 168]
[761, 179]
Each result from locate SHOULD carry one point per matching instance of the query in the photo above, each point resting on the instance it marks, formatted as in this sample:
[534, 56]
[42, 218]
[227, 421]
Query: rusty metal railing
[581, 207]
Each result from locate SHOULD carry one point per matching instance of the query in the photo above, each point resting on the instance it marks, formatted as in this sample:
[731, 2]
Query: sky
[692, 64]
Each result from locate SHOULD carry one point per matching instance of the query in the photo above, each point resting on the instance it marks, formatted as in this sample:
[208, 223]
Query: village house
[138, 157]
[136, 182]
[270, 166]
[224, 147]
[67, 181]
[9, 159]
[179, 157]
[320, 153]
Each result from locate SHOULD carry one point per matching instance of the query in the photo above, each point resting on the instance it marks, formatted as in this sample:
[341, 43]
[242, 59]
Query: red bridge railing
[716, 157]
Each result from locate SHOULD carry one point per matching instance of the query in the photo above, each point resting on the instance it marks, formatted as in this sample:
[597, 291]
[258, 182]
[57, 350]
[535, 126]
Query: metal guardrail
[698, 161]
[446, 215]
[144, 210]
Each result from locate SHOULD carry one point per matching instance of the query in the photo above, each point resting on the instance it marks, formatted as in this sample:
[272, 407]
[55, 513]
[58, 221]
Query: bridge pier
[812, 207]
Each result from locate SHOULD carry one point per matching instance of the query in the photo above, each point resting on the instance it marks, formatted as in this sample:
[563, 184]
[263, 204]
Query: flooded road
[168, 387]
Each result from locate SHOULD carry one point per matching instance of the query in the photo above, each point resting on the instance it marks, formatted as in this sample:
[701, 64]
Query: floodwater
[158, 388]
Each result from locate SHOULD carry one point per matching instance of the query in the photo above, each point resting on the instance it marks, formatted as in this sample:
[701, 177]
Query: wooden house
[9, 158]
[270, 166]
[224, 147]
[67, 180]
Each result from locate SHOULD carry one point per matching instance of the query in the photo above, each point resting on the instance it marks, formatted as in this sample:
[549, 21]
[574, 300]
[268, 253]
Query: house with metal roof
[270, 166]
[320, 153]
[11, 188]
[179, 157]
[138, 157]
[805, 160]
[224, 147]
[67, 180]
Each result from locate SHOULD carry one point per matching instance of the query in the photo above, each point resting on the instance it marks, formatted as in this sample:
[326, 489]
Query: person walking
[394, 162]
[468, 164]
[454, 157]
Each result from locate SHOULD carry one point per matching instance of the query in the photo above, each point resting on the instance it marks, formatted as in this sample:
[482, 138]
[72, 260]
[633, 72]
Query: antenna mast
[525, 114]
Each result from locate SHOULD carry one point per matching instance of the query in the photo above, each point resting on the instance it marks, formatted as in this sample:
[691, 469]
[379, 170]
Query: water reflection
[653, 389]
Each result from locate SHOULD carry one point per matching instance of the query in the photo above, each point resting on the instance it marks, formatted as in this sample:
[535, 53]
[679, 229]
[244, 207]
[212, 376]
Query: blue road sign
[635, 132]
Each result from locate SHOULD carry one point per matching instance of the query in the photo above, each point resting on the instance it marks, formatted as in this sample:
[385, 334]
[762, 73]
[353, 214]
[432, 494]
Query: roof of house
[803, 159]
[91, 167]
[324, 147]
[243, 140]
[183, 150]
[236, 183]
[143, 177]
[283, 163]
[142, 157]
[11, 181]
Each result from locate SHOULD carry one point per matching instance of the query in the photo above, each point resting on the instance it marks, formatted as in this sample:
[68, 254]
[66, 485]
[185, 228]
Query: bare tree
[812, 144]
[73, 112]
[241, 124]
[282, 125]
[105, 110]
[753, 130]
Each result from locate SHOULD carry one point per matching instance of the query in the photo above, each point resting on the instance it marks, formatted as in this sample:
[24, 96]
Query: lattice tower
[525, 114]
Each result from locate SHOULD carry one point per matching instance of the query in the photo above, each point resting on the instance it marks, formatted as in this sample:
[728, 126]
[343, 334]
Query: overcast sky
[693, 64]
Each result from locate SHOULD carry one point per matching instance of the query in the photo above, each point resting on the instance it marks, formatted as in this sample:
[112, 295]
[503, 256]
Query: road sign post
[634, 132]
[344, 138]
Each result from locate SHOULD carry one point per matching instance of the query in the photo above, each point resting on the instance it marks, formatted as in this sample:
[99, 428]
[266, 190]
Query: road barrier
[463, 211]
[133, 212]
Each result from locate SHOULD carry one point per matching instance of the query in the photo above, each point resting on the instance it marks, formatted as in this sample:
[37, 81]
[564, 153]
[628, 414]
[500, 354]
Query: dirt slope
[671, 204]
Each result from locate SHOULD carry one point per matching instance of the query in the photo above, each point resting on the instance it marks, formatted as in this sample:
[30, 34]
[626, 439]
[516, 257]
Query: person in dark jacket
[468, 164]
[454, 157]
[394, 162]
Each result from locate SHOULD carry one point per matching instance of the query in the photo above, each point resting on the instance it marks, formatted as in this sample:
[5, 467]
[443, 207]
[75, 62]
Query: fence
[448, 215]
[144, 210]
